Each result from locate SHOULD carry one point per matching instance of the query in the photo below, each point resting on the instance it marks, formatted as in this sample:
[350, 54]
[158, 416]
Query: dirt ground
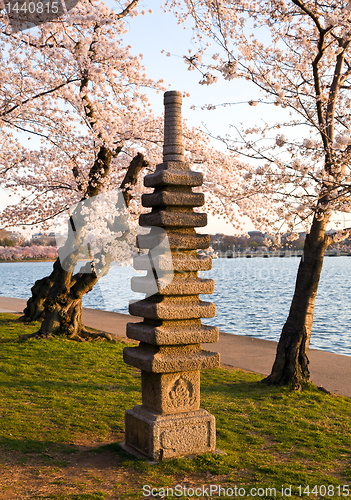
[85, 471]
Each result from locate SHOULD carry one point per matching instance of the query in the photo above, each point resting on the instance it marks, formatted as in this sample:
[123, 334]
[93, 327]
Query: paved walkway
[332, 371]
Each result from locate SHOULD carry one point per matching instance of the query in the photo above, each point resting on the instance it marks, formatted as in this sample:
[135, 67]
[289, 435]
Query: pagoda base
[167, 436]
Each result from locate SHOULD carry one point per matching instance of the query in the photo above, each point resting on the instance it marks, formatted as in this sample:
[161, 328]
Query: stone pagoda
[170, 422]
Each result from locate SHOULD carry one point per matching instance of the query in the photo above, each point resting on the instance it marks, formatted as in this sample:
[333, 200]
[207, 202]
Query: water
[111, 293]
[252, 296]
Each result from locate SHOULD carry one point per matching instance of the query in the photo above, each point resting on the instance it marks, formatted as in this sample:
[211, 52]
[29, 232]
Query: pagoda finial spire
[173, 148]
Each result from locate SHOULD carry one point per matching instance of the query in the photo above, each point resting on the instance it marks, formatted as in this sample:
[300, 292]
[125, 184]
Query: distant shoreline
[3, 261]
[274, 255]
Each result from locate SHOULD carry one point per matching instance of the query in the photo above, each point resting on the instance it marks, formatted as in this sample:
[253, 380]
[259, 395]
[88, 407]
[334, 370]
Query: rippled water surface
[252, 295]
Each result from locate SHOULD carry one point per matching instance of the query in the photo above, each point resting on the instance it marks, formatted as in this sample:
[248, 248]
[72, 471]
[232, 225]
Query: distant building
[256, 234]
[11, 235]
[217, 238]
[37, 236]
[44, 239]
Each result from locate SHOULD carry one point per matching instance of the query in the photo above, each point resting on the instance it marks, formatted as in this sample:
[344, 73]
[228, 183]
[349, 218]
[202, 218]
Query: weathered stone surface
[172, 198]
[172, 96]
[180, 241]
[171, 392]
[167, 359]
[168, 436]
[191, 262]
[172, 308]
[169, 423]
[164, 218]
[174, 166]
[173, 333]
[173, 148]
[180, 286]
[179, 262]
[173, 178]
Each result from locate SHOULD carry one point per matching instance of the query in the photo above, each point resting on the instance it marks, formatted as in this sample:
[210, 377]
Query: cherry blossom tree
[73, 87]
[297, 55]
[33, 252]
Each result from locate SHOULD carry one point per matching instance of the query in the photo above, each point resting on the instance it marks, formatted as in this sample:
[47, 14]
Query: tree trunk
[57, 298]
[34, 311]
[291, 363]
[63, 305]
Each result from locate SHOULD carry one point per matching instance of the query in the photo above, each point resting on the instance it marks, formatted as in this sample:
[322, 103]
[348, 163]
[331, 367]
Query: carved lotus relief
[181, 394]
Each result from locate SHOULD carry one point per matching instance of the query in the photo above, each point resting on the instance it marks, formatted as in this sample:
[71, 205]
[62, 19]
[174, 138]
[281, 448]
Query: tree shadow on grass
[243, 390]
[35, 446]
[47, 452]
[76, 387]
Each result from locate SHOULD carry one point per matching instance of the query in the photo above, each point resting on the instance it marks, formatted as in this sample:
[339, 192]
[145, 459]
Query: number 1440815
[33, 7]
[324, 490]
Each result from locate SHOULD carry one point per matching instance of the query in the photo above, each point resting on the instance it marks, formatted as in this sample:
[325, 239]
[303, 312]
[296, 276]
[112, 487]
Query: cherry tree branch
[82, 280]
[311, 14]
[41, 94]
[333, 93]
[126, 11]
[339, 235]
[131, 176]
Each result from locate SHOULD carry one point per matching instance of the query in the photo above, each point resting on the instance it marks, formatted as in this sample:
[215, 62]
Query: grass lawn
[61, 418]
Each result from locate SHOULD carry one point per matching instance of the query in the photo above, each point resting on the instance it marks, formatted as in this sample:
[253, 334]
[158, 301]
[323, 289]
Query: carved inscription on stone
[182, 394]
[186, 438]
